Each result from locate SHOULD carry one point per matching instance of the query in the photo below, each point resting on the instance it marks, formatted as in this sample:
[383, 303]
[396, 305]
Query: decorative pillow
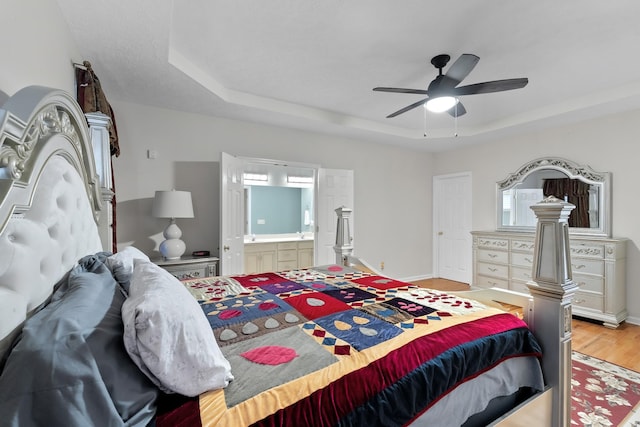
[69, 366]
[168, 336]
[121, 264]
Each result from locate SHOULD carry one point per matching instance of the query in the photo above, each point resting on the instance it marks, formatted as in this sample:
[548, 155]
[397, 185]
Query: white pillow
[121, 264]
[168, 336]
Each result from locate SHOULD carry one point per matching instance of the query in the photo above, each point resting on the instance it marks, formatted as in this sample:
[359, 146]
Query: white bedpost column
[553, 289]
[344, 241]
[98, 130]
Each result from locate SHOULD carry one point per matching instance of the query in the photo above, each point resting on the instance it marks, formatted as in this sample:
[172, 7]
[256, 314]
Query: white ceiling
[312, 64]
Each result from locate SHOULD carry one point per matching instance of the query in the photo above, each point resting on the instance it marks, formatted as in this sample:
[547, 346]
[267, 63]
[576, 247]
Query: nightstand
[189, 267]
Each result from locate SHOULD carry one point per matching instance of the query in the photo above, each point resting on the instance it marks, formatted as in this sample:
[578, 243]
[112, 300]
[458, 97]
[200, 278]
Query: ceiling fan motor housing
[440, 61]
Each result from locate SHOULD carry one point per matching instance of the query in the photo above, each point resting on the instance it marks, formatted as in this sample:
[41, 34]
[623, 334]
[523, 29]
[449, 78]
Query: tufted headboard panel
[49, 200]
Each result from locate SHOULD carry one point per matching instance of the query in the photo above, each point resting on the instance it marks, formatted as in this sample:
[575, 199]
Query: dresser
[505, 260]
[189, 267]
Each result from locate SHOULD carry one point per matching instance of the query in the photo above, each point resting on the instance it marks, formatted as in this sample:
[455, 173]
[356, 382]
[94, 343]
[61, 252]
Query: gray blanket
[69, 366]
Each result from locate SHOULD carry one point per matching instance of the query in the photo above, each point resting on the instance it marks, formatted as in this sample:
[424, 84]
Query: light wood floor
[620, 346]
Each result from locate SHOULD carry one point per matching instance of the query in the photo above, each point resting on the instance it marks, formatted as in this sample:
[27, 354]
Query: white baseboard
[633, 320]
[414, 278]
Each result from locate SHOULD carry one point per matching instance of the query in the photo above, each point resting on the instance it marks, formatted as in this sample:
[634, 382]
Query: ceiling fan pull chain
[455, 120]
[425, 123]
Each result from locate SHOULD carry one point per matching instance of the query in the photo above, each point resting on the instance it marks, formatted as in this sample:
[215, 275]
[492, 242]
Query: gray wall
[189, 146]
[38, 48]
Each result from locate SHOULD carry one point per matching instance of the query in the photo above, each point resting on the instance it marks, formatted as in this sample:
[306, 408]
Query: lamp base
[172, 247]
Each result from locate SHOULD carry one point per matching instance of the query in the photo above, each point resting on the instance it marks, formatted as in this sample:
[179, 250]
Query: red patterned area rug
[603, 394]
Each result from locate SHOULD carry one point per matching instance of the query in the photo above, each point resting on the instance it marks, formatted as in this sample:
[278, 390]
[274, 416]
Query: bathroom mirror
[279, 199]
[579, 185]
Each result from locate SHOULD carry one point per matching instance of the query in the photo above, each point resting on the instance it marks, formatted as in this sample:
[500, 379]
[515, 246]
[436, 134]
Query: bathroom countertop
[277, 238]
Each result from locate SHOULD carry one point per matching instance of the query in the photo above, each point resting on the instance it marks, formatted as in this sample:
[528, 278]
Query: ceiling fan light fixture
[441, 104]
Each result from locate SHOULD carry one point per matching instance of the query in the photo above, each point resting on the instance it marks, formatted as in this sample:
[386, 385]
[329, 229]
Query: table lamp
[172, 204]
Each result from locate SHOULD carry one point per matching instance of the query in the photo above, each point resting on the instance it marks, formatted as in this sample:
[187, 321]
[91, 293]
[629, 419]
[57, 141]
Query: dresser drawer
[487, 242]
[188, 273]
[521, 273]
[493, 256]
[522, 245]
[594, 250]
[494, 270]
[492, 282]
[589, 283]
[190, 267]
[588, 266]
[586, 300]
[523, 260]
[519, 286]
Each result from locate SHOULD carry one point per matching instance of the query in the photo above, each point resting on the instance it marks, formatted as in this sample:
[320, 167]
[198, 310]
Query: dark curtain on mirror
[575, 192]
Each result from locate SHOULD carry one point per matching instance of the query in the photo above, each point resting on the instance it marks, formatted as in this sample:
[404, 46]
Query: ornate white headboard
[50, 199]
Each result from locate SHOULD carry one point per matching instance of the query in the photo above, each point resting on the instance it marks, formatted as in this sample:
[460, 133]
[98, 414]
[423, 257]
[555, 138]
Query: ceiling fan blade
[400, 90]
[407, 108]
[489, 87]
[457, 110]
[462, 67]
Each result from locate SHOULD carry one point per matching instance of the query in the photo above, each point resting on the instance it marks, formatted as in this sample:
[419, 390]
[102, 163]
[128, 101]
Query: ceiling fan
[443, 91]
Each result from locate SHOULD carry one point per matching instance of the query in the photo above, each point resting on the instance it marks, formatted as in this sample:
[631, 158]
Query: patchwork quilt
[331, 345]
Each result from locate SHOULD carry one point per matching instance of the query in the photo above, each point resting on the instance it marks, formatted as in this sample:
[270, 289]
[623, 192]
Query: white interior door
[335, 189]
[231, 215]
[452, 227]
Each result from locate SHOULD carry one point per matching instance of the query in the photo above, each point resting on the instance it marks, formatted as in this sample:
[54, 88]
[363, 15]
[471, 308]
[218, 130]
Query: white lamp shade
[172, 204]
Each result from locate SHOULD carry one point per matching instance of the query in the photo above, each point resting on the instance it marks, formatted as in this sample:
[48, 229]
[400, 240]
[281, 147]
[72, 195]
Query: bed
[88, 335]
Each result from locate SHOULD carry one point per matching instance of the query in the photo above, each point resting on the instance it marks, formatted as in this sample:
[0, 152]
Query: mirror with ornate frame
[588, 190]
